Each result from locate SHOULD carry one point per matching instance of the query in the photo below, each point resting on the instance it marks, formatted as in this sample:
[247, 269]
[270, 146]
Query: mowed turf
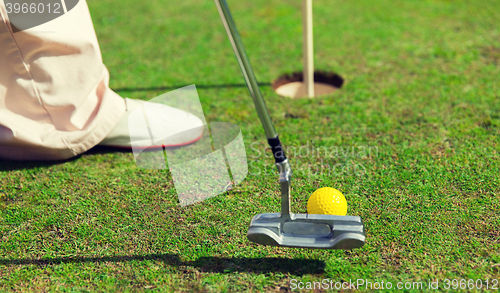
[411, 139]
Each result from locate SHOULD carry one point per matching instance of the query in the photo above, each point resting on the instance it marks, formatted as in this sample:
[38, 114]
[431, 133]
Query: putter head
[307, 231]
[304, 230]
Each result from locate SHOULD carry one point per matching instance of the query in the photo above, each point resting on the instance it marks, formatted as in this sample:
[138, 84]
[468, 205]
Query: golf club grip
[277, 149]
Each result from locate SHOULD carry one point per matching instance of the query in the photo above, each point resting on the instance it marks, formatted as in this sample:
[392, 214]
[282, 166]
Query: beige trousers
[55, 102]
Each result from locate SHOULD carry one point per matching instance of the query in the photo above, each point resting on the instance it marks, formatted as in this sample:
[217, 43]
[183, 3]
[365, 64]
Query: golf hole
[292, 85]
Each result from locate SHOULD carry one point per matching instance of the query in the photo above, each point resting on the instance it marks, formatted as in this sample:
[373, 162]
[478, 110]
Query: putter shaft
[284, 169]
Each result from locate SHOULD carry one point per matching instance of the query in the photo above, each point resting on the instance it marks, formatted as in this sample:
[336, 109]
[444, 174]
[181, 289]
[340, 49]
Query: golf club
[286, 228]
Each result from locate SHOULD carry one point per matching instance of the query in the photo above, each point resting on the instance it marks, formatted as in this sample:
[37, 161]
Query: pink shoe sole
[155, 146]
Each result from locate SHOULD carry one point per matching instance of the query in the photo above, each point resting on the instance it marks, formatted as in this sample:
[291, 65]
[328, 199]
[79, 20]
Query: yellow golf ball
[327, 201]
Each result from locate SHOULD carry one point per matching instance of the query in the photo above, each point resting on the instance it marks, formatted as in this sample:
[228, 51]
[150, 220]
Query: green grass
[421, 93]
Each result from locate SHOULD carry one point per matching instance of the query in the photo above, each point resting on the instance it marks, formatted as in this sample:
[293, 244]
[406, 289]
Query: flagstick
[307, 28]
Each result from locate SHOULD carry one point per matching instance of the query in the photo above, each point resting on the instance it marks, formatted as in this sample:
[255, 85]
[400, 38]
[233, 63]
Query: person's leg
[55, 101]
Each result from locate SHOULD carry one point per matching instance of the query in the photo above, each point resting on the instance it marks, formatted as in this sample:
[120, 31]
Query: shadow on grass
[106, 150]
[6, 165]
[24, 165]
[258, 265]
[205, 264]
[174, 87]
[171, 259]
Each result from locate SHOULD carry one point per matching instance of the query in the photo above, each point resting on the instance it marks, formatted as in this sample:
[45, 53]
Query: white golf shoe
[154, 126]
